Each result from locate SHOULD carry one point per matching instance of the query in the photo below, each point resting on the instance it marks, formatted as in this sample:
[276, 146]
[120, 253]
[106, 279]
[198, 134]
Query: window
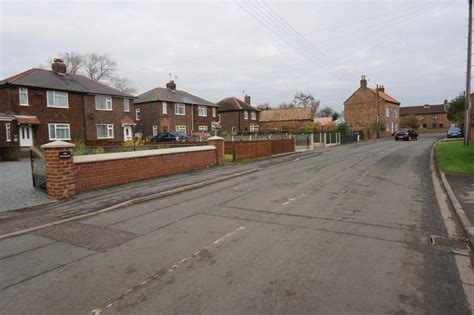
[105, 131]
[126, 105]
[137, 113]
[202, 111]
[57, 99]
[202, 128]
[246, 115]
[387, 112]
[253, 128]
[387, 127]
[103, 102]
[180, 128]
[214, 112]
[165, 108]
[434, 116]
[179, 109]
[59, 132]
[23, 96]
[253, 115]
[396, 113]
[8, 132]
[155, 130]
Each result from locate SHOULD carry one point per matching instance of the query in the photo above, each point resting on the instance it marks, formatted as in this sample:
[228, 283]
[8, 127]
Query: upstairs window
[214, 112]
[253, 115]
[179, 109]
[57, 99]
[137, 114]
[202, 111]
[434, 116]
[387, 112]
[246, 115]
[103, 102]
[126, 105]
[164, 108]
[105, 131]
[396, 113]
[23, 96]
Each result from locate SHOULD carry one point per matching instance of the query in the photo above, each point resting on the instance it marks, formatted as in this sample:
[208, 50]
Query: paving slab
[463, 188]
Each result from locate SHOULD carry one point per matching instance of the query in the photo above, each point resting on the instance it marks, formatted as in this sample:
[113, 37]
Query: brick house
[287, 119]
[169, 109]
[238, 116]
[361, 108]
[428, 116]
[38, 106]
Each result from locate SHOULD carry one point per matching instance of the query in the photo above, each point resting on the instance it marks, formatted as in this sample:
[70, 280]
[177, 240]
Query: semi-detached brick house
[362, 107]
[168, 109]
[428, 116]
[38, 106]
[238, 116]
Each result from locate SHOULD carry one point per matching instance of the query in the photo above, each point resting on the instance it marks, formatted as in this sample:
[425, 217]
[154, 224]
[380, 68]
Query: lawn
[453, 157]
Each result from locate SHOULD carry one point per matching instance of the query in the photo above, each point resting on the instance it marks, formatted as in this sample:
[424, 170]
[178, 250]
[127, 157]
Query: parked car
[170, 137]
[406, 134]
[199, 136]
[455, 132]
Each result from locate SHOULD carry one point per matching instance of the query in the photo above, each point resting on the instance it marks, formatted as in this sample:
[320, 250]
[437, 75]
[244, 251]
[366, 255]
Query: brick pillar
[60, 173]
[218, 142]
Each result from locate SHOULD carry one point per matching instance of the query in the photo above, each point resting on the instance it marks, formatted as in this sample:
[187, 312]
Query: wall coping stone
[215, 138]
[58, 144]
[137, 154]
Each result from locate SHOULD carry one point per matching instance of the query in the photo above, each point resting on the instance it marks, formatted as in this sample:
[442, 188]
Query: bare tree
[123, 84]
[326, 112]
[99, 67]
[305, 100]
[264, 106]
[286, 105]
[74, 62]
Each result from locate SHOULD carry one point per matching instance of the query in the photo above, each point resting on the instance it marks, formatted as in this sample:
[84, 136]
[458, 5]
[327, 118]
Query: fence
[243, 150]
[14, 153]
[82, 149]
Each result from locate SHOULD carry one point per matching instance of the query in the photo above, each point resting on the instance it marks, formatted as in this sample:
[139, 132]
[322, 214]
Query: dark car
[406, 134]
[455, 132]
[171, 136]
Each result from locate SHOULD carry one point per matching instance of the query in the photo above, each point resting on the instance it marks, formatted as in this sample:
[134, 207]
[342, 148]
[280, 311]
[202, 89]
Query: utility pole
[467, 119]
[378, 111]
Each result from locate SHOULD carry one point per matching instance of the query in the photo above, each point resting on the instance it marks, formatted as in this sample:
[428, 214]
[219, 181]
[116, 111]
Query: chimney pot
[171, 85]
[58, 66]
[247, 100]
[363, 81]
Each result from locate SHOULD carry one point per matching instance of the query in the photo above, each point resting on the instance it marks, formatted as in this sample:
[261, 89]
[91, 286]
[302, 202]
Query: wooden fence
[243, 150]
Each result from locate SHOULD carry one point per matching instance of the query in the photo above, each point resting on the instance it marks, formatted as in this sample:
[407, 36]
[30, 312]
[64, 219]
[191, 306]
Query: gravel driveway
[16, 188]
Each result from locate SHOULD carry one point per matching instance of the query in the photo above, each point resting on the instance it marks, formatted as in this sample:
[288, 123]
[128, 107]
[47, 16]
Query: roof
[386, 97]
[286, 114]
[230, 104]
[324, 121]
[423, 109]
[168, 95]
[66, 82]
[27, 120]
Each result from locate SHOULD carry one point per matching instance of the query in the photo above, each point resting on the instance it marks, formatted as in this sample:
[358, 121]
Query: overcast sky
[270, 49]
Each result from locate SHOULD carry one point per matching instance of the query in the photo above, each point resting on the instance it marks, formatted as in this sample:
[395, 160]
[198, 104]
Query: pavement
[463, 188]
[347, 231]
[16, 186]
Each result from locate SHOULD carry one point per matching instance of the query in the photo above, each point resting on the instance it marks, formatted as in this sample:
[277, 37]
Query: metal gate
[38, 167]
[302, 140]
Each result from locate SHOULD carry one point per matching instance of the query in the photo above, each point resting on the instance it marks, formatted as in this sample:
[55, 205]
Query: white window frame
[56, 94]
[214, 112]
[126, 105]
[108, 102]
[253, 115]
[164, 108]
[8, 132]
[387, 127]
[396, 114]
[254, 127]
[177, 110]
[203, 128]
[202, 111]
[109, 129]
[246, 114]
[155, 130]
[23, 91]
[55, 131]
[180, 128]
[387, 112]
[137, 114]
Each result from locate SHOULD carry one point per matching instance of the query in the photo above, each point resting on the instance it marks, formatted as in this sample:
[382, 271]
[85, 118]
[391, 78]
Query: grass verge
[453, 157]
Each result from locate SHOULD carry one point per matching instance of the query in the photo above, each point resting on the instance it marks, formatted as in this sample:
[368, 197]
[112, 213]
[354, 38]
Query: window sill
[68, 139]
[49, 106]
[104, 138]
[24, 104]
[104, 110]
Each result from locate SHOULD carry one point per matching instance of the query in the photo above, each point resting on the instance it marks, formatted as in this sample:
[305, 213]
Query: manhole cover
[452, 243]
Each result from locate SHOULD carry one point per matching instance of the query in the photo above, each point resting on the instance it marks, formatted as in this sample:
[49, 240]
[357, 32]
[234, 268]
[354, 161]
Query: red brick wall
[102, 174]
[237, 119]
[289, 125]
[427, 121]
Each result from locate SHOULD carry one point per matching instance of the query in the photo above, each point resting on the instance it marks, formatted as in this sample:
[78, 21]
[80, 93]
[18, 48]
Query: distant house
[288, 119]
[169, 109]
[238, 116]
[38, 106]
[428, 116]
[324, 121]
[363, 107]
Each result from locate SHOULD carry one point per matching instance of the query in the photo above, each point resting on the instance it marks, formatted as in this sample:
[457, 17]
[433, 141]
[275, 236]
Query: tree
[306, 100]
[74, 62]
[326, 112]
[286, 105]
[123, 84]
[335, 116]
[457, 109]
[410, 122]
[264, 106]
[99, 67]
[310, 128]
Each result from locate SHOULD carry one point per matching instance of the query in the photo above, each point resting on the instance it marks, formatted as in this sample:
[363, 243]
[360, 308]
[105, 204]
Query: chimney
[446, 102]
[363, 81]
[382, 88]
[247, 100]
[58, 66]
[171, 85]
[426, 106]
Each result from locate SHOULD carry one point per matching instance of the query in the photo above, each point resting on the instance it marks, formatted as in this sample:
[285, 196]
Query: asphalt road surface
[347, 231]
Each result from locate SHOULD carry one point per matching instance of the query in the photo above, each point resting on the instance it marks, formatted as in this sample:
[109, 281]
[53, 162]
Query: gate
[38, 167]
[303, 141]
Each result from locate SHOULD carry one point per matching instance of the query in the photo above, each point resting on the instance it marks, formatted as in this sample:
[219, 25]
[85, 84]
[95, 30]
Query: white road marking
[230, 234]
[289, 200]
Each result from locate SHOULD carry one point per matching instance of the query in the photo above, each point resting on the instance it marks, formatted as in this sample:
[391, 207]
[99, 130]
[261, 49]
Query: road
[347, 231]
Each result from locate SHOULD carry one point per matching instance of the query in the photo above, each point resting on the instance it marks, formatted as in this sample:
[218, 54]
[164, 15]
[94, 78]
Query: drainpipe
[192, 118]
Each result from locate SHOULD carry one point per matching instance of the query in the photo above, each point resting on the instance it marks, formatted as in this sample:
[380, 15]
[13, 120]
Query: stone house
[238, 116]
[169, 109]
[428, 116]
[38, 106]
[287, 119]
[366, 105]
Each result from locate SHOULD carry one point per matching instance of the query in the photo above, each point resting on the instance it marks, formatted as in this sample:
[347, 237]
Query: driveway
[16, 186]
[345, 232]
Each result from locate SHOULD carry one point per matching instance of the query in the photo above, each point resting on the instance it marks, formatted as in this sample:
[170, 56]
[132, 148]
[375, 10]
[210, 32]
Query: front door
[127, 133]
[26, 136]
